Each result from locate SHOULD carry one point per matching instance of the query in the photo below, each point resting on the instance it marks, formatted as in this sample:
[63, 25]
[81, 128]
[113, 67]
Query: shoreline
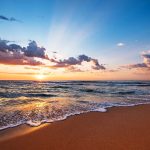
[118, 127]
[101, 110]
[8, 132]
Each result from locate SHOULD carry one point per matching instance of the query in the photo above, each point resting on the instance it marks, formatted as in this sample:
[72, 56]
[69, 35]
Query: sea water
[33, 103]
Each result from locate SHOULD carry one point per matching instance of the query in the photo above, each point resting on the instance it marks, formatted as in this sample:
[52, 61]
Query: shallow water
[33, 102]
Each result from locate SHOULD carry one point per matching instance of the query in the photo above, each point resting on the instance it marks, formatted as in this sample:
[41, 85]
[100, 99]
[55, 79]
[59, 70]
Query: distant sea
[33, 103]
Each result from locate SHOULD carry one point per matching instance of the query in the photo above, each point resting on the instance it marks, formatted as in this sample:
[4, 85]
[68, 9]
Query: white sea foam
[101, 109]
[32, 123]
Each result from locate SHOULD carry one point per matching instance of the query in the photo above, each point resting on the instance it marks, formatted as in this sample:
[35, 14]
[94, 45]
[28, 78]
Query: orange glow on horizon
[9, 72]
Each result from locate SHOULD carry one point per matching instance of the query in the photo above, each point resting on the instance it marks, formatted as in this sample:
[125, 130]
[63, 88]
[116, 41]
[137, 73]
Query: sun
[40, 77]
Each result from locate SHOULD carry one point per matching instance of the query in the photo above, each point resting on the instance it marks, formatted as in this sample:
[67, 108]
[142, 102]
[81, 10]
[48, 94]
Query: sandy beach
[120, 128]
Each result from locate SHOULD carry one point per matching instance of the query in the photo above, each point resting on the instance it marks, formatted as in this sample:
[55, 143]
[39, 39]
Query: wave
[110, 92]
[87, 90]
[124, 92]
[38, 121]
[39, 95]
[91, 90]
[61, 87]
[17, 95]
[9, 95]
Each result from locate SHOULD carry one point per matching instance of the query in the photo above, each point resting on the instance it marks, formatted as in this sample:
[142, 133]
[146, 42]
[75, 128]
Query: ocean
[33, 103]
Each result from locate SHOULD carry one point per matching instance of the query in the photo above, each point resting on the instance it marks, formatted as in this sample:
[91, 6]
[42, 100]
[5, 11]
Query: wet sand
[120, 128]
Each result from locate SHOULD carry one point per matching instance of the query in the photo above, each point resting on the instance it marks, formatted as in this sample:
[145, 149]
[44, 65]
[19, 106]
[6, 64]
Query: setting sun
[40, 77]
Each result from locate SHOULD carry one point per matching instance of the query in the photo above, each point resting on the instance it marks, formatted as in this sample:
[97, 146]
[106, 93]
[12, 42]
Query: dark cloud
[71, 61]
[4, 18]
[16, 55]
[140, 65]
[9, 19]
[33, 50]
[144, 65]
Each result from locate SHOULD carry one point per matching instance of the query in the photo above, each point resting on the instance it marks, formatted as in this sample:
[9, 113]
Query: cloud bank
[33, 55]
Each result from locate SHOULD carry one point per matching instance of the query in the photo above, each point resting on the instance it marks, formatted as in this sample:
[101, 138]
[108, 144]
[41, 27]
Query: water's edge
[103, 110]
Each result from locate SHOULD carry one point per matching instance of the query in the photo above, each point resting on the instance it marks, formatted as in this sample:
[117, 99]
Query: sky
[74, 40]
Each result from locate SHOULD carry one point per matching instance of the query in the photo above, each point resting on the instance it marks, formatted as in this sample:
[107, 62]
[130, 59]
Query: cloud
[9, 19]
[33, 55]
[20, 73]
[17, 58]
[14, 54]
[120, 44]
[140, 65]
[33, 50]
[145, 65]
[72, 61]
[146, 56]
[31, 68]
